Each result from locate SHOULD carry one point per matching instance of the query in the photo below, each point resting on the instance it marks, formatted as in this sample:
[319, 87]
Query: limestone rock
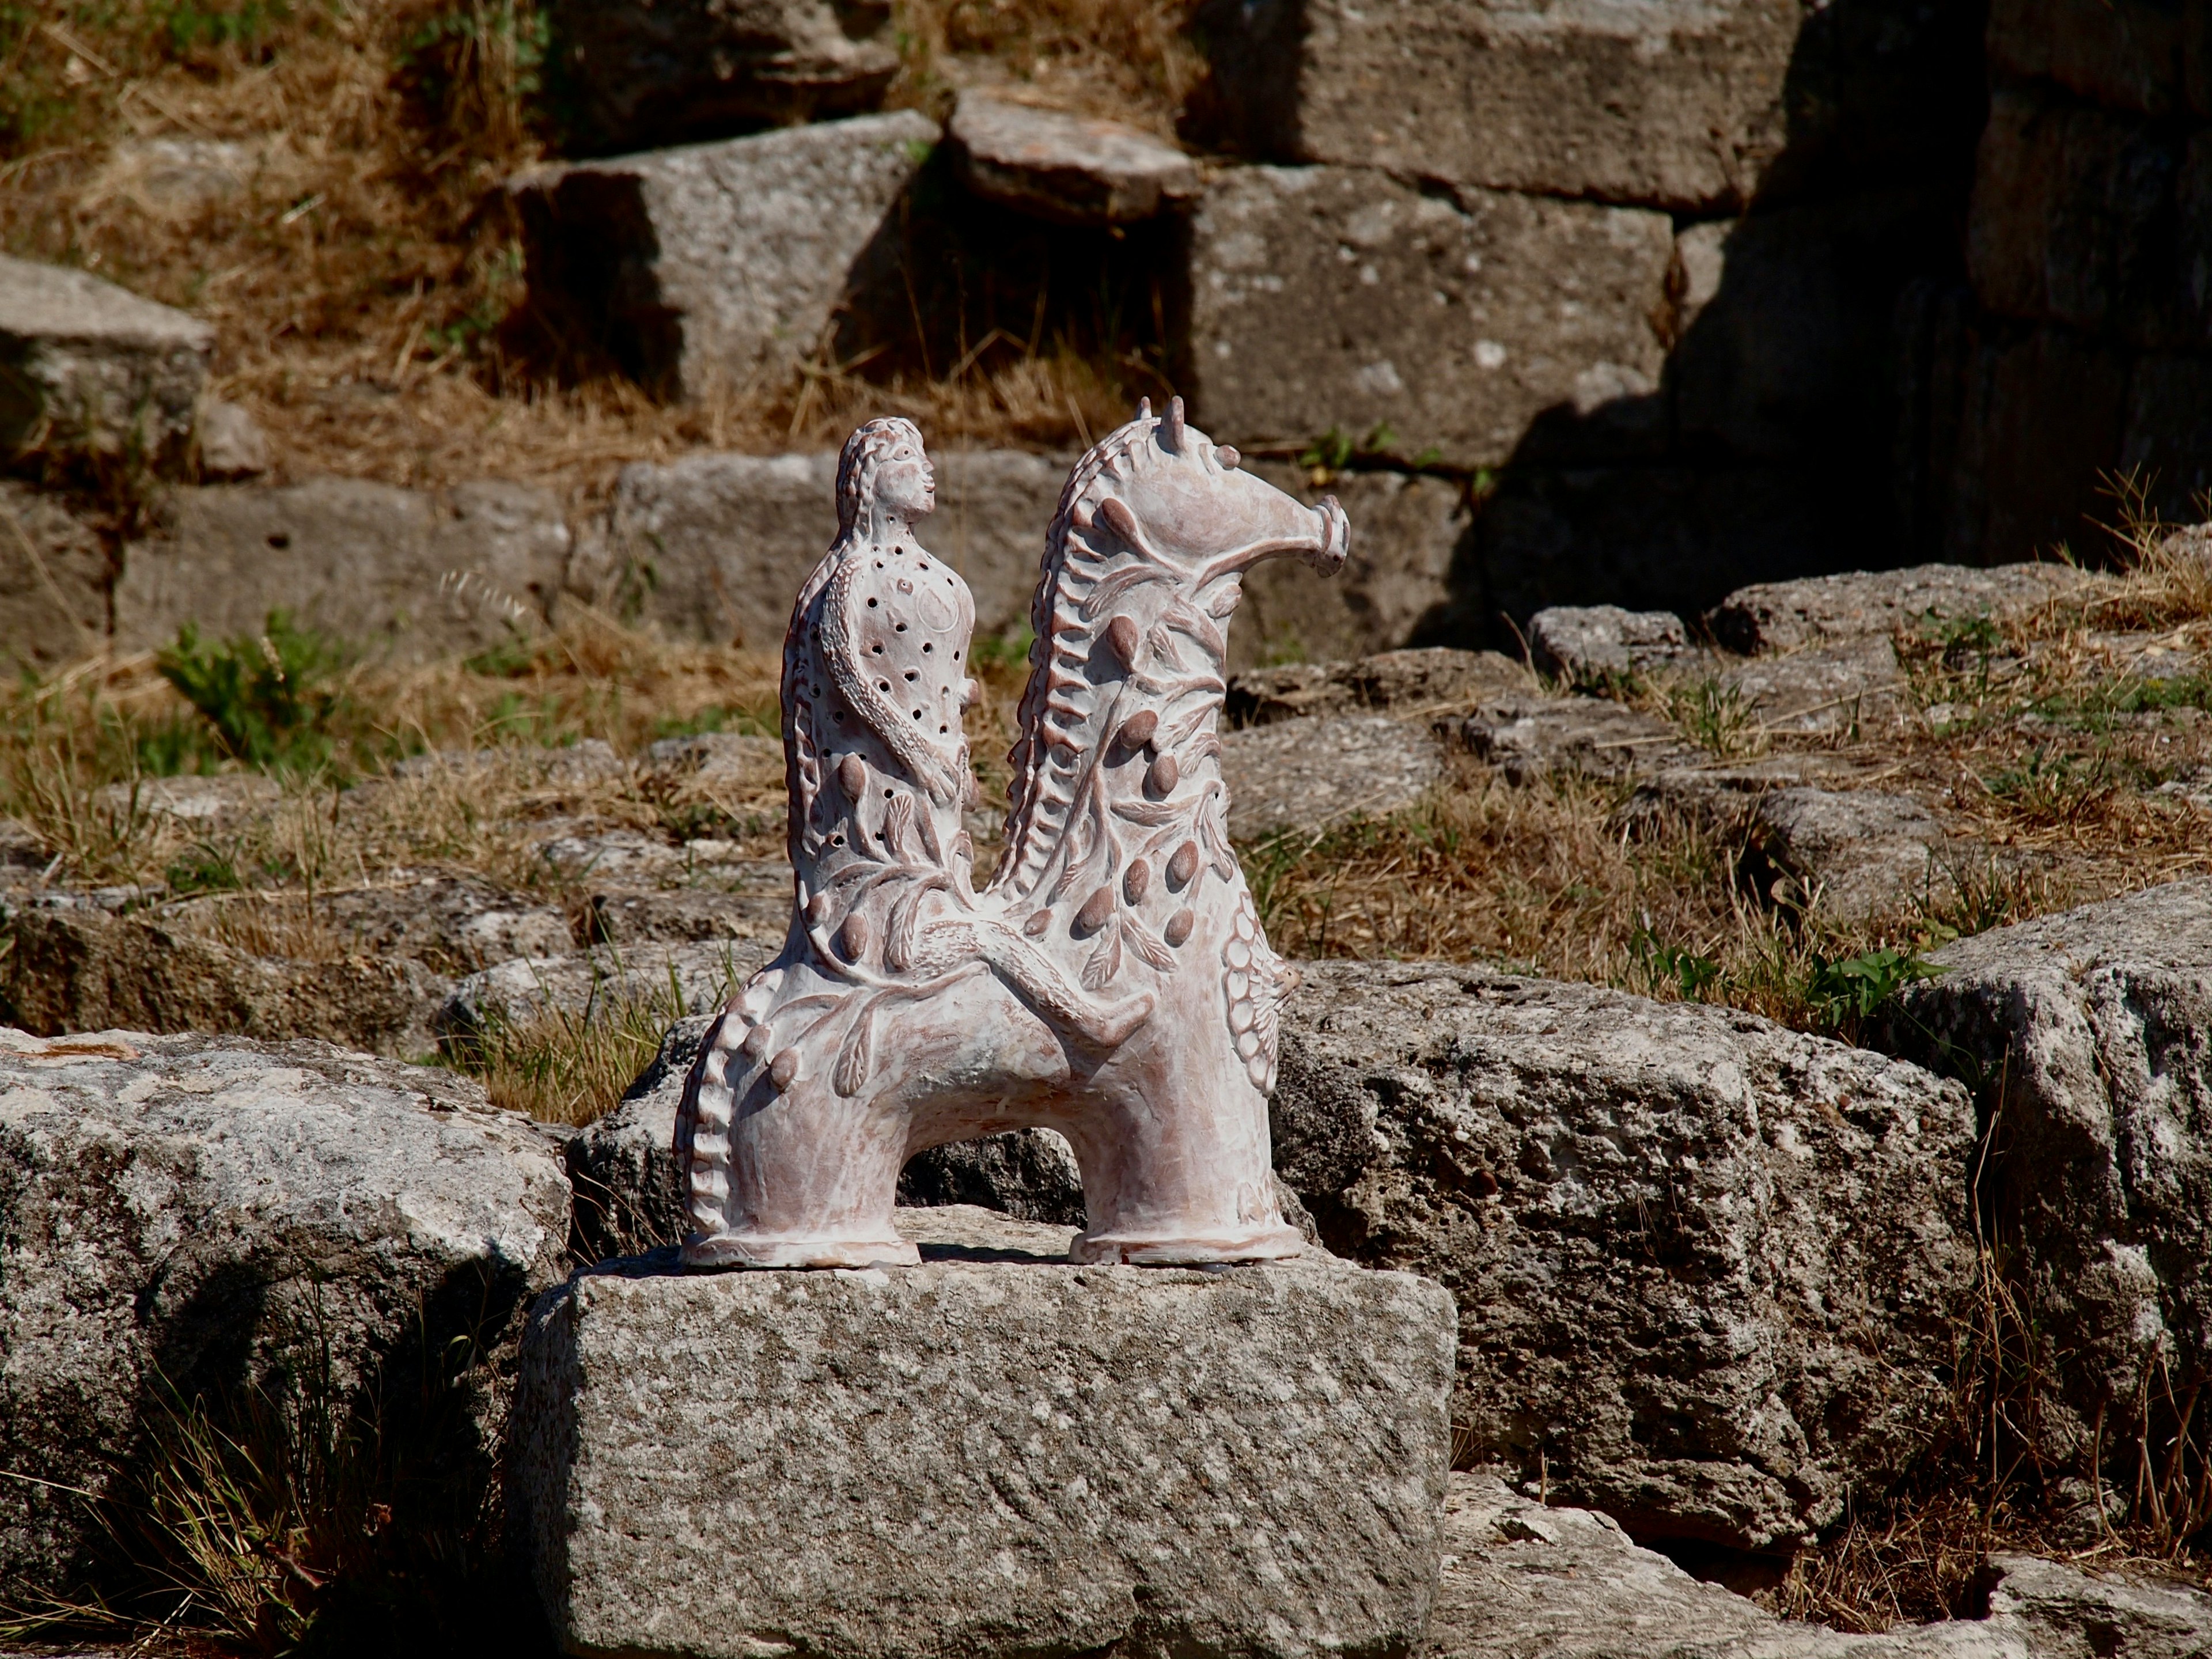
[2087, 1032]
[1531, 737]
[1028, 1174]
[713, 546]
[231, 442]
[416, 576]
[1312, 776]
[1849, 684]
[77, 970]
[716, 266]
[225, 1210]
[1861, 603]
[84, 363]
[1707, 1268]
[1854, 854]
[1419, 685]
[1072, 169]
[450, 924]
[1395, 586]
[981, 1456]
[1327, 297]
[1580, 642]
[585, 986]
[2064, 1613]
[649, 75]
[55, 572]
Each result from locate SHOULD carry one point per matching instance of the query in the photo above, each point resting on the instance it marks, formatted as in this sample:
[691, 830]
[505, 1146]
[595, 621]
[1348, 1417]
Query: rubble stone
[1854, 854]
[588, 985]
[1842, 686]
[1531, 737]
[1340, 298]
[2086, 1032]
[651, 74]
[231, 443]
[76, 969]
[716, 266]
[416, 576]
[232, 1212]
[1707, 1268]
[1072, 169]
[713, 546]
[1862, 604]
[1414, 684]
[84, 363]
[1578, 642]
[1055, 1458]
[55, 572]
[1312, 776]
[2067, 1613]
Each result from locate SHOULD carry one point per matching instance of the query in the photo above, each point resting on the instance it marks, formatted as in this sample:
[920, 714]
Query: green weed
[1718, 718]
[1844, 992]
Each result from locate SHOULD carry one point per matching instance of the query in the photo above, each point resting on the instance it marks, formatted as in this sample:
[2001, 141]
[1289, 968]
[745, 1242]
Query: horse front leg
[785, 1172]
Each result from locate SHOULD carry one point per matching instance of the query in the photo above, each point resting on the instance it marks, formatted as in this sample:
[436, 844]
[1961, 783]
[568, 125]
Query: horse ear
[1144, 409]
[1175, 424]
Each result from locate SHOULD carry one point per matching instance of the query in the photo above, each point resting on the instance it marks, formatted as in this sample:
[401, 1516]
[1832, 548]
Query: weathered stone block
[2167, 442]
[2039, 430]
[1325, 297]
[713, 546]
[1072, 169]
[2129, 54]
[210, 1212]
[1395, 586]
[1786, 322]
[1667, 537]
[54, 573]
[1422, 684]
[649, 74]
[1676, 105]
[986, 1457]
[412, 574]
[716, 267]
[2074, 221]
[2091, 1032]
[85, 363]
[1708, 1269]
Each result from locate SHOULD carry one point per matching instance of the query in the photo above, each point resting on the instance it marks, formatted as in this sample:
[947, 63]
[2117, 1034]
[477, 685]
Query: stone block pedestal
[993, 1453]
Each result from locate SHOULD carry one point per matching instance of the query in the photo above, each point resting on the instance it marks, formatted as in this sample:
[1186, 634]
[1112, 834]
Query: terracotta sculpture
[1111, 981]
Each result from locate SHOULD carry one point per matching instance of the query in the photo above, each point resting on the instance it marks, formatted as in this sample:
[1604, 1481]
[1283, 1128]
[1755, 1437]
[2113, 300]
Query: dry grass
[364, 275]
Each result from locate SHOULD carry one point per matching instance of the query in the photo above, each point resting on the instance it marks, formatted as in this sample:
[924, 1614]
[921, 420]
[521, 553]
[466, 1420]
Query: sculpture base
[993, 1453]
[1274, 1243]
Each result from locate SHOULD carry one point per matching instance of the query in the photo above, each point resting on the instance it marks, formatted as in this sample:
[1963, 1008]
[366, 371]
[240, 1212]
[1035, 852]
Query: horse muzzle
[1335, 538]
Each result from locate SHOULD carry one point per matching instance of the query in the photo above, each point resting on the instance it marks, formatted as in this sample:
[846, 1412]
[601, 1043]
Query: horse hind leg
[787, 1174]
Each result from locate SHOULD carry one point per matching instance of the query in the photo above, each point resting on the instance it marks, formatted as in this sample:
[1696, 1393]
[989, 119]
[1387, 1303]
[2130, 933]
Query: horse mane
[1042, 790]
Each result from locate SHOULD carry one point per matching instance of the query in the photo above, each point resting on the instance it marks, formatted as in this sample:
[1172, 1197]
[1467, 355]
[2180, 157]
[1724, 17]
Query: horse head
[1143, 569]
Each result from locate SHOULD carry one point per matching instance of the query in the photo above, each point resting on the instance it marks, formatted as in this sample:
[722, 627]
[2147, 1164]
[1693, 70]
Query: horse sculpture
[1111, 981]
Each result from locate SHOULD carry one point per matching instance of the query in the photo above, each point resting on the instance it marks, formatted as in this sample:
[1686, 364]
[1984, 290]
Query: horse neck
[1069, 723]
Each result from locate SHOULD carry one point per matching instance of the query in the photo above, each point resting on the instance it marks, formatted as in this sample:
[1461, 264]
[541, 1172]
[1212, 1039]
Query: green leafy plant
[268, 698]
[1844, 992]
[1691, 972]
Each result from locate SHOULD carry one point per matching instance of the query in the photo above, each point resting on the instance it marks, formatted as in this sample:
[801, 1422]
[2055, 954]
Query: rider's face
[905, 484]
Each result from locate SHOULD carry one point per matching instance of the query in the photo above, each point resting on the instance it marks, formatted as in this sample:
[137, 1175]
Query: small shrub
[268, 699]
